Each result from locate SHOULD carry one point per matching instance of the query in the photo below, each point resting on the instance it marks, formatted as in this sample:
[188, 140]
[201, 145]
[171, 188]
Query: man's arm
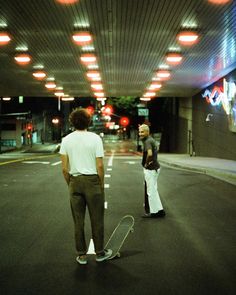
[65, 168]
[149, 159]
[100, 170]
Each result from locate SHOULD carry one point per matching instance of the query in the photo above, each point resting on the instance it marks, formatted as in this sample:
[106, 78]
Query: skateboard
[120, 233]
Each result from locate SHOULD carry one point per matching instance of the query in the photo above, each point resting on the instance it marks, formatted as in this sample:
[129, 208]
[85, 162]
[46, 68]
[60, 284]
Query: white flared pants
[150, 177]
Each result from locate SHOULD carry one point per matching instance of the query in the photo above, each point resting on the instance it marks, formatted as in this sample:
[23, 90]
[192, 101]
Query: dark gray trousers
[86, 192]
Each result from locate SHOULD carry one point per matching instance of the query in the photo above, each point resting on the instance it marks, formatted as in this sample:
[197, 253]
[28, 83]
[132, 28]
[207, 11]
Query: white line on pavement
[105, 205]
[110, 161]
[131, 162]
[36, 162]
[56, 163]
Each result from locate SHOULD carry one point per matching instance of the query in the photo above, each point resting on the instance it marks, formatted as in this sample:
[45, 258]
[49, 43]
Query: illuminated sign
[225, 97]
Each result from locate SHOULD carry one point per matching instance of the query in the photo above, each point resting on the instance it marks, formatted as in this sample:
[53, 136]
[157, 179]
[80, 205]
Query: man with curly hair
[82, 166]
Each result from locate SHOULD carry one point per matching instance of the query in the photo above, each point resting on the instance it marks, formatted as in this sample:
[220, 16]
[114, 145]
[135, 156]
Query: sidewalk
[218, 168]
[36, 148]
[41, 148]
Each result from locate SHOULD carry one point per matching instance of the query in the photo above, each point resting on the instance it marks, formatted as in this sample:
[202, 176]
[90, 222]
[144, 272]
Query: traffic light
[107, 110]
[29, 127]
[90, 110]
[124, 121]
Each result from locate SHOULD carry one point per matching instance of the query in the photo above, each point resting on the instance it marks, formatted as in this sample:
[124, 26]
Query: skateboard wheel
[118, 254]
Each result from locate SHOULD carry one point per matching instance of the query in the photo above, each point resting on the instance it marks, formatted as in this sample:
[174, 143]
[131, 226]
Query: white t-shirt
[82, 148]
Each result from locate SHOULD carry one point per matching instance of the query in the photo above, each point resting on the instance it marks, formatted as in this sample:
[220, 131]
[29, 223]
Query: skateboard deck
[120, 233]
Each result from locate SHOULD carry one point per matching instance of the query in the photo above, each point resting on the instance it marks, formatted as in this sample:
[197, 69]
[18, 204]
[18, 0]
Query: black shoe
[160, 213]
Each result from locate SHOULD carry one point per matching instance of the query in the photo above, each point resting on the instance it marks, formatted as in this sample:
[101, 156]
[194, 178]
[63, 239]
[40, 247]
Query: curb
[222, 175]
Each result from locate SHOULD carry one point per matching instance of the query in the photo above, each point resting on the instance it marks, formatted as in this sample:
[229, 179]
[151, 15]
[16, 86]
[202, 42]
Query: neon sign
[217, 97]
[225, 97]
[213, 97]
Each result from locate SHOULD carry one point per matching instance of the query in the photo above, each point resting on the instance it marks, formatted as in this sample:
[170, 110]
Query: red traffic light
[107, 110]
[29, 127]
[124, 121]
[90, 110]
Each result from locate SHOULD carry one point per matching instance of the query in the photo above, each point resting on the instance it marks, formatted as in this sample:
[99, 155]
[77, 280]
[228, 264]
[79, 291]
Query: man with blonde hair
[151, 168]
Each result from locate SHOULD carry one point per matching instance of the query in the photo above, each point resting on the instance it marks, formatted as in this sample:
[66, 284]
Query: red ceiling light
[93, 75]
[97, 86]
[145, 98]
[219, 1]
[82, 38]
[22, 58]
[88, 58]
[149, 94]
[50, 85]
[188, 37]
[101, 99]
[174, 58]
[99, 94]
[155, 86]
[59, 94]
[67, 1]
[4, 38]
[163, 74]
[39, 75]
[95, 78]
[65, 98]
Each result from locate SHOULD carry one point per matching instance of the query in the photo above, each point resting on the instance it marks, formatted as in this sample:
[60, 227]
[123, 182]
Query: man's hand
[148, 164]
[65, 168]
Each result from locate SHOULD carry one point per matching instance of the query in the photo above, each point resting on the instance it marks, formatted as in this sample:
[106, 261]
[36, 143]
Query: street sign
[143, 112]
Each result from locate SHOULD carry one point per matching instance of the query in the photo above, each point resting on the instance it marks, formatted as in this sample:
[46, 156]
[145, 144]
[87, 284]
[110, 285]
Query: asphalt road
[190, 251]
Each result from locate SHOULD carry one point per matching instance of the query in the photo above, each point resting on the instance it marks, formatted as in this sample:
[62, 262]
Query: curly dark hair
[80, 118]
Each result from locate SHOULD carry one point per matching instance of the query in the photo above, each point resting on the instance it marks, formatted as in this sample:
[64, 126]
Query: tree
[124, 104]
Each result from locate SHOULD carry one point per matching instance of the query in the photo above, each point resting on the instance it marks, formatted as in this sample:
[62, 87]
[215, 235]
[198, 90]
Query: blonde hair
[144, 127]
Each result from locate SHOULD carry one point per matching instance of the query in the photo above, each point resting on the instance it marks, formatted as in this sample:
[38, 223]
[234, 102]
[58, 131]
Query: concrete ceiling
[130, 39]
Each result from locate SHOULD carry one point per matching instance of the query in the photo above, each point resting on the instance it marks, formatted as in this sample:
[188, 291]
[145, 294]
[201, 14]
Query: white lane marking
[109, 169]
[106, 185]
[105, 205]
[36, 162]
[131, 162]
[56, 163]
[107, 175]
[91, 249]
[110, 161]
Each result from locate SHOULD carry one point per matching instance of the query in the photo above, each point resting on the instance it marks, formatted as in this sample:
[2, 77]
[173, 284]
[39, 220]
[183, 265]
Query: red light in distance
[124, 121]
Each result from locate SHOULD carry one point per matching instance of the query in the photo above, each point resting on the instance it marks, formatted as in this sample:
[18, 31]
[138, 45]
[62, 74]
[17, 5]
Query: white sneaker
[82, 259]
[106, 255]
